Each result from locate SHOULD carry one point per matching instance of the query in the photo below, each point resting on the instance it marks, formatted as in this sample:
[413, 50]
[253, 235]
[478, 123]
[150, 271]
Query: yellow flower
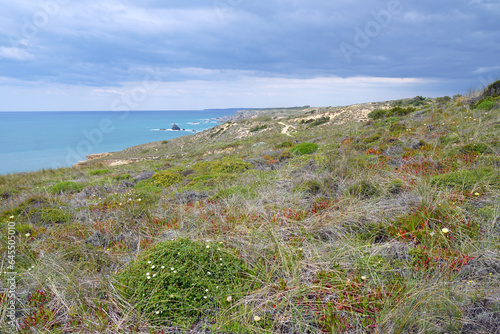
[445, 230]
[476, 194]
[27, 235]
[256, 318]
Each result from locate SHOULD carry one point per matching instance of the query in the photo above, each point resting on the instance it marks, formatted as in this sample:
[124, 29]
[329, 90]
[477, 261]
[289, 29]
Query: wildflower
[138, 200]
[300, 249]
[209, 273]
[149, 262]
[157, 312]
[256, 318]
[363, 278]
[206, 290]
[162, 267]
[27, 235]
[149, 277]
[153, 266]
[476, 194]
[445, 230]
[175, 271]
[154, 275]
[205, 297]
[172, 268]
[431, 234]
[208, 246]
[229, 298]
[11, 217]
[147, 274]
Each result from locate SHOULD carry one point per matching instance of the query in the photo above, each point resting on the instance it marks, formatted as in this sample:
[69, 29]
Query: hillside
[379, 217]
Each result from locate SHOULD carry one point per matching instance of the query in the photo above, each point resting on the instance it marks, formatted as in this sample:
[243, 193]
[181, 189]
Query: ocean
[32, 141]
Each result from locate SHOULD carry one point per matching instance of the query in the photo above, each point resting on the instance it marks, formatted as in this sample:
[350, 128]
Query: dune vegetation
[374, 218]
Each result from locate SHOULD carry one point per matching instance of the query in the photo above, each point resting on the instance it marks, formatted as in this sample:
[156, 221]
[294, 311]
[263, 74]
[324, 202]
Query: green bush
[226, 165]
[99, 172]
[485, 105]
[258, 128]
[65, 187]
[396, 111]
[377, 114]
[285, 144]
[178, 281]
[166, 178]
[321, 120]
[363, 189]
[304, 148]
[371, 138]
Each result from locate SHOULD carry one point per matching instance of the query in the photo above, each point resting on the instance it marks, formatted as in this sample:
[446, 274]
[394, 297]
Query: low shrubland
[385, 226]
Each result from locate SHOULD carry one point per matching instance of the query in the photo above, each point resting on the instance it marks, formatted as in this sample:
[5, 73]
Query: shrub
[178, 281]
[285, 144]
[99, 172]
[485, 105]
[226, 165]
[258, 128]
[321, 120]
[65, 187]
[304, 148]
[166, 178]
[377, 114]
[371, 138]
[363, 189]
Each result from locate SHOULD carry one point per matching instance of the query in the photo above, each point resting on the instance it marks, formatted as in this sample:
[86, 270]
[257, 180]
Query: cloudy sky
[196, 54]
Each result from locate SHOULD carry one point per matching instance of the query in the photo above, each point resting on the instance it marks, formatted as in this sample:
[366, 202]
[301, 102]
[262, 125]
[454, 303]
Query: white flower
[147, 274]
[27, 235]
[162, 267]
[206, 290]
[149, 261]
[153, 266]
[445, 230]
[363, 278]
[209, 273]
[154, 275]
[175, 271]
[208, 246]
[149, 277]
[205, 297]
[171, 268]
[256, 318]
[229, 298]
[157, 312]
[11, 217]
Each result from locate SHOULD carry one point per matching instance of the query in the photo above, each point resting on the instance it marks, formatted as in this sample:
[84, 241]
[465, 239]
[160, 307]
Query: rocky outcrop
[175, 127]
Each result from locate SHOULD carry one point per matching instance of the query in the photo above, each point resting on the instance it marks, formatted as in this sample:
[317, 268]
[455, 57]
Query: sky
[64, 55]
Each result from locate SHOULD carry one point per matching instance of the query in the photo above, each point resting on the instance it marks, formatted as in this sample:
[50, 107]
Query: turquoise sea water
[34, 140]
